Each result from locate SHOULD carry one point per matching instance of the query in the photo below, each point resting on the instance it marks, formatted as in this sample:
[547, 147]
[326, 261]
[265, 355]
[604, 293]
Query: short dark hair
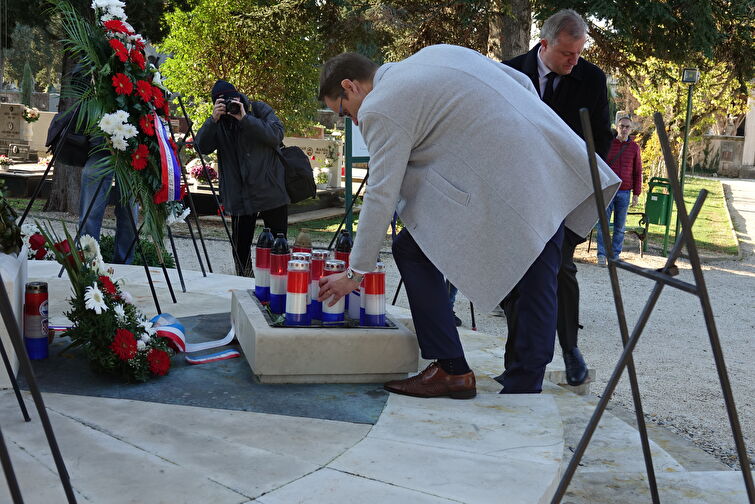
[351, 66]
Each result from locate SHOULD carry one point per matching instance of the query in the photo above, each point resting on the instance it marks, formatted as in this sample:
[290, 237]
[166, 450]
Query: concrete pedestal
[320, 355]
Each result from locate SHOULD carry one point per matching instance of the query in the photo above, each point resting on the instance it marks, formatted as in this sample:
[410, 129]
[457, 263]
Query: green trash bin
[658, 201]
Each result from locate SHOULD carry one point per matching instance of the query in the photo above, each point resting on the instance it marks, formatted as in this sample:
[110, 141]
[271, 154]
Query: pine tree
[27, 86]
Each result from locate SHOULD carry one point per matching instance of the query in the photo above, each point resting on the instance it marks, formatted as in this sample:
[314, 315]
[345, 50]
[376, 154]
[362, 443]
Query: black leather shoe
[576, 369]
[457, 321]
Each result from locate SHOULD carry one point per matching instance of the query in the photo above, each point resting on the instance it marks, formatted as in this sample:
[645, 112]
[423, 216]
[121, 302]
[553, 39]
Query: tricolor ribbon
[170, 169]
[167, 326]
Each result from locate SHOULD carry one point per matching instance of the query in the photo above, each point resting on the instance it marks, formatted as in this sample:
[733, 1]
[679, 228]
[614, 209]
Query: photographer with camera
[252, 178]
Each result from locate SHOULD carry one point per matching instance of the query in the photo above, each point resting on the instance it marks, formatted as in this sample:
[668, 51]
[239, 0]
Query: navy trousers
[426, 289]
[531, 309]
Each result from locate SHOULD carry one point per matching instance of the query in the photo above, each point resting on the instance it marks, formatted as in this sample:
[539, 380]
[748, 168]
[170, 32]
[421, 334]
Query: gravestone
[12, 141]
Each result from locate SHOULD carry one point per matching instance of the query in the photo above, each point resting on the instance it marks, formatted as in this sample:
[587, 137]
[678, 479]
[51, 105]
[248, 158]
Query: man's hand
[219, 110]
[336, 286]
[635, 200]
[241, 113]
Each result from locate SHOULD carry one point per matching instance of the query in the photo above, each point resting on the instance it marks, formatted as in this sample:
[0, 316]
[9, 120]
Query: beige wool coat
[479, 169]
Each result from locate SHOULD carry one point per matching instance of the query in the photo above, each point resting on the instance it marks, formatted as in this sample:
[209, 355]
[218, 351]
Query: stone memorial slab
[320, 354]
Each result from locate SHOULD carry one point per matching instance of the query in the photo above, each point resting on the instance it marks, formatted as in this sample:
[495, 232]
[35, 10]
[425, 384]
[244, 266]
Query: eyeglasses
[340, 106]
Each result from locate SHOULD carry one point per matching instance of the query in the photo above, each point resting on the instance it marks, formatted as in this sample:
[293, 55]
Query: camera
[231, 107]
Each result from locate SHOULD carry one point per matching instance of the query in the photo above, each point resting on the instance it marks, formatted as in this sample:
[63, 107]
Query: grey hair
[566, 21]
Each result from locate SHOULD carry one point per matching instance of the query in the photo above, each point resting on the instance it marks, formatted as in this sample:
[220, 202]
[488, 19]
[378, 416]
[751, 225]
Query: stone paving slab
[708, 487]
[328, 486]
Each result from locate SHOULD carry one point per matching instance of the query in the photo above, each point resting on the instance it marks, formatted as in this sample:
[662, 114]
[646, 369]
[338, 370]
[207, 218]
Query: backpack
[300, 178]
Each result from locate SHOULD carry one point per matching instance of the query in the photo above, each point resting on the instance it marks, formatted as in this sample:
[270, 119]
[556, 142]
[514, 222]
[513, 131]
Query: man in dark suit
[567, 83]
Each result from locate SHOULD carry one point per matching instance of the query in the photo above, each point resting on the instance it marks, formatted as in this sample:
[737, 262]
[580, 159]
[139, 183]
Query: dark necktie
[548, 93]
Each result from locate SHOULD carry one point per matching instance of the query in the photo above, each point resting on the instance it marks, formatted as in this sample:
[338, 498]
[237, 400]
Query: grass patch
[19, 204]
[712, 229]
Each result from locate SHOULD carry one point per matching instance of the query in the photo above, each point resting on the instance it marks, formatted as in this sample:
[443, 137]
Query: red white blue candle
[316, 271]
[307, 257]
[297, 292]
[262, 274]
[278, 270]
[333, 315]
[373, 298]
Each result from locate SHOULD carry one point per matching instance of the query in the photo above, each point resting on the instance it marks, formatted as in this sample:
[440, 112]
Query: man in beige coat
[484, 177]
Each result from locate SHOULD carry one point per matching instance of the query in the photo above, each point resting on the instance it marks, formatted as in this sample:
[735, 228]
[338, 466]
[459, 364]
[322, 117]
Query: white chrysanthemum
[125, 130]
[145, 338]
[119, 143]
[94, 300]
[127, 297]
[90, 247]
[108, 123]
[121, 116]
[141, 346]
[120, 312]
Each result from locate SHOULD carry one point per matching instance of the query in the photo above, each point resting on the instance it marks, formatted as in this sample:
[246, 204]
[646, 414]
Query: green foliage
[656, 86]
[107, 248]
[10, 233]
[33, 45]
[269, 52]
[27, 85]
[410, 25]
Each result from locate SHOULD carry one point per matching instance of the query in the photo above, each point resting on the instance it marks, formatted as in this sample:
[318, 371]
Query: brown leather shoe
[434, 382]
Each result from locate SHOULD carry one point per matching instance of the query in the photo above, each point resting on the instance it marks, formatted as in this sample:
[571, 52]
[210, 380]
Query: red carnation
[157, 97]
[145, 124]
[139, 43]
[107, 284]
[124, 344]
[159, 362]
[166, 109]
[116, 26]
[40, 254]
[144, 89]
[139, 157]
[36, 241]
[119, 48]
[137, 57]
[122, 84]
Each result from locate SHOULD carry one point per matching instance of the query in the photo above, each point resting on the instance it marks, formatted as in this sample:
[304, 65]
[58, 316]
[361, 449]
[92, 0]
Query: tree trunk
[66, 179]
[509, 34]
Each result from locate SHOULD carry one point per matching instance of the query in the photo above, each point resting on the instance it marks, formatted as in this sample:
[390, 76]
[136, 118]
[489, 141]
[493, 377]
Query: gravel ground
[676, 372]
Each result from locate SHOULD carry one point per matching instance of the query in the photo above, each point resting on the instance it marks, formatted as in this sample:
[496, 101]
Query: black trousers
[567, 320]
[242, 234]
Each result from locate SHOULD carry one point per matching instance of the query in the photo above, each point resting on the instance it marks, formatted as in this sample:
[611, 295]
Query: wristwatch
[353, 275]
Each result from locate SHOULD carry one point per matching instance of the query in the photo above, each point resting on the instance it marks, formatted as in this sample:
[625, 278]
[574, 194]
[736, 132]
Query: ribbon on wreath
[170, 169]
[167, 326]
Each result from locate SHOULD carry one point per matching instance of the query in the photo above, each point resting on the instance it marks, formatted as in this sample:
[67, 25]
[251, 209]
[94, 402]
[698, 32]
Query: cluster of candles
[288, 280]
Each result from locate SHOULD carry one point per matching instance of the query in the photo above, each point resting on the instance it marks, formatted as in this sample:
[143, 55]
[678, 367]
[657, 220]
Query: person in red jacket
[625, 160]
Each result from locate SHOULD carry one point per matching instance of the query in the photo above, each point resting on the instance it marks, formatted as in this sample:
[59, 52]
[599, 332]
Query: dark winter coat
[252, 177]
[585, 86]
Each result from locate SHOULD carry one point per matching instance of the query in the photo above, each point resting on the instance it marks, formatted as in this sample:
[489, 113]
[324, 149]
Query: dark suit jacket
[585, 86]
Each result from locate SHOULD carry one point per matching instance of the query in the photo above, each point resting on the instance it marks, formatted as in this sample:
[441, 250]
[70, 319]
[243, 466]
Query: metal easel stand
[134, 243]
[25, 365]
[212, 189]
[55, 153]
[663, 276]
[193, 208]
